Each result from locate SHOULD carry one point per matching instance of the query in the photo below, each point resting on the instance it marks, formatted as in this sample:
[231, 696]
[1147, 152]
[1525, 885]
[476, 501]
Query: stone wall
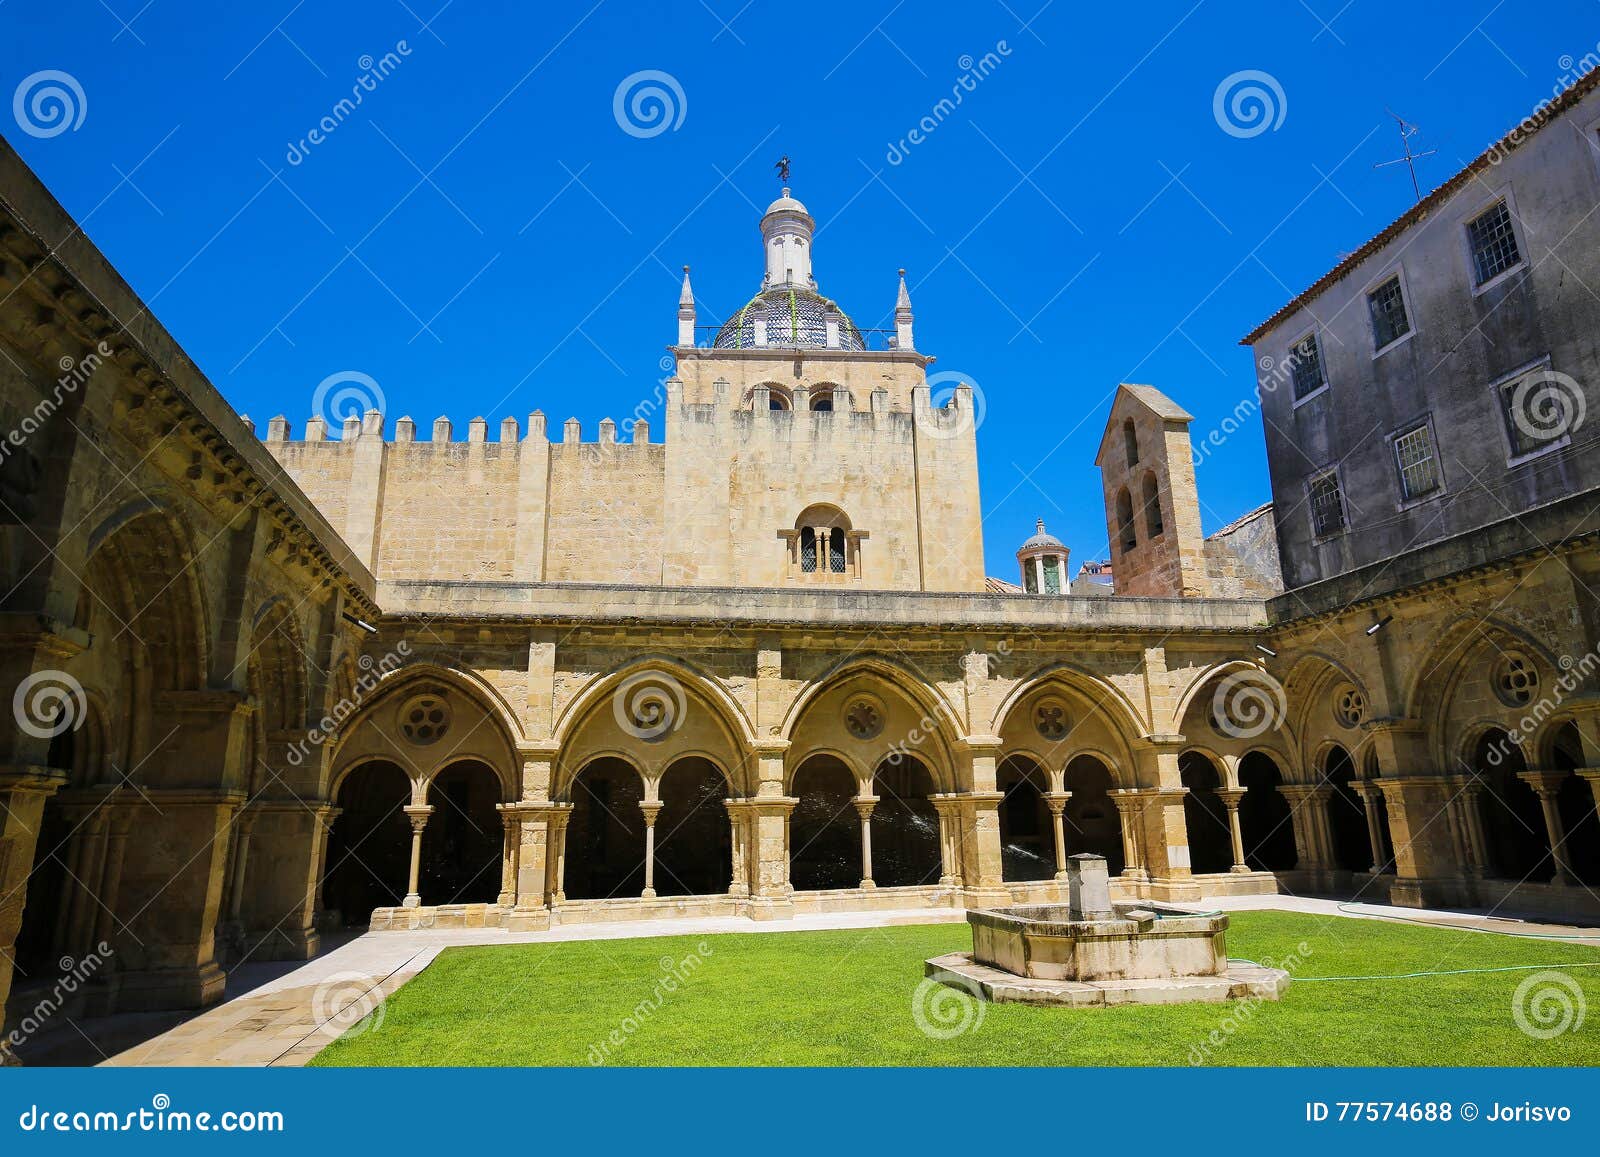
[719, 504]
[1463, 341]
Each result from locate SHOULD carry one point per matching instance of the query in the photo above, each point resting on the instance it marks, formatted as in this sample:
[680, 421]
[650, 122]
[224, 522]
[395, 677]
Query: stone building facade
[310, 682]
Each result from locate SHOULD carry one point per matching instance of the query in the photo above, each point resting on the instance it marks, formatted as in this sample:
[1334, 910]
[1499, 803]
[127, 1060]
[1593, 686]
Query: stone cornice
[1020, 616]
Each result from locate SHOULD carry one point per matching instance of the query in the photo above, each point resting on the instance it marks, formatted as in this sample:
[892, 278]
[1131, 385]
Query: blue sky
[481, 235]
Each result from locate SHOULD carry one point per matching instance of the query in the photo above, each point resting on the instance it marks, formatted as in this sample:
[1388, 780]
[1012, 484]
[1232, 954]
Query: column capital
[1056, 801]
[864, 805]
[651, 809]
[1544, 781]
[980, 744]
[1231, 796]
[418, 815]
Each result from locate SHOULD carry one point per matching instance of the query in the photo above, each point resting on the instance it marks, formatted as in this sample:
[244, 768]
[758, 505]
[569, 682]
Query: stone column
[111, 874]
[1429, 865]
[768, 813]
[556, 888]
[1130, 804]
[1371, 801]
[739, 834]
[864, 806]
[949, 813]
[511, 837]
[651, 809]
[980, 807]
[1548, 784]
[245, 825]
[1592, 776]
[23, 790]
[1308, 811]
[1464, 818]
[418, 815]
[1056, 801]
[1230, 799]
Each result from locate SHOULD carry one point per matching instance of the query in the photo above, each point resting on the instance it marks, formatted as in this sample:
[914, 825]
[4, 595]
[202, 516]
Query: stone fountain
[1090, 952]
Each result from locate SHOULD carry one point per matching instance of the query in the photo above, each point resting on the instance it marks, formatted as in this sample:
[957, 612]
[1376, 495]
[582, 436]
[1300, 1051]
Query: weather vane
[1407, 131]
[783, 169]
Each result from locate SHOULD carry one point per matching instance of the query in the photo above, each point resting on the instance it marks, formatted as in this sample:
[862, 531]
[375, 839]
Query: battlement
[727, 498]
[371, 426]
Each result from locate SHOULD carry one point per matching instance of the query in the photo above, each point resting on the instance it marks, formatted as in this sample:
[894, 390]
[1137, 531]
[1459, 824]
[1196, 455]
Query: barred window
[1415, 459]
[1306, 365]
[1494, 243]
[1388, 307]
[1538, 409]
[1327, 504]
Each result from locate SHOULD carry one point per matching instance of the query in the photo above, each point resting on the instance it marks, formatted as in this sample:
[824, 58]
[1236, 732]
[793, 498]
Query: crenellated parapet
[373, 426]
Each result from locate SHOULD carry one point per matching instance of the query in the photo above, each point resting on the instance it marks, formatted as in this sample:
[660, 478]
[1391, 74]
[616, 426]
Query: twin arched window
[823, 546]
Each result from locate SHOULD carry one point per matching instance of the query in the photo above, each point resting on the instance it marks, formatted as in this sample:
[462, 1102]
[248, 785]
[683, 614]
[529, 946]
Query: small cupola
[1043, 561]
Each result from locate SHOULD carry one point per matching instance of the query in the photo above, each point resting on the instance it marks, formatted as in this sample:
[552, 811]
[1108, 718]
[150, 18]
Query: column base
[770, 908]
[412, 900]
[1061, 876]
[166, 988]
[986, 897]
[1180, 890]
[648, 894]
[867, 884]
[528, 919]
[1241, 869]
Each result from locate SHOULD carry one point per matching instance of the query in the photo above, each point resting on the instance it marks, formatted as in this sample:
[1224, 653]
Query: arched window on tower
[1130, 441]
[822, 400]
[1126, 534]
[1152, 506]
[777, 397]
[823, 546]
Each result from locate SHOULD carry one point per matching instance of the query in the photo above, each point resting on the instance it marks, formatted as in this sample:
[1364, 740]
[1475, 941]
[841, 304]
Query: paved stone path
[291, 1017]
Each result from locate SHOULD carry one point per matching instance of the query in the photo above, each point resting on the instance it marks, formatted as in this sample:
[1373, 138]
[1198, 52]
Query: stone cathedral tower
[801, 450]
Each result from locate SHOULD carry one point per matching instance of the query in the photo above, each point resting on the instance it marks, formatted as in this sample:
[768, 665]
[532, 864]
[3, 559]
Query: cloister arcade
[657, 785]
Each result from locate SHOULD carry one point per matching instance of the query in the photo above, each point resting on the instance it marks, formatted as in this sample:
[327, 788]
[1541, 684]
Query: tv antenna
[1407, 131]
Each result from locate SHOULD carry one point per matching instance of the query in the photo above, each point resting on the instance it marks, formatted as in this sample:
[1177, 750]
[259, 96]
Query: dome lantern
[1043, 561]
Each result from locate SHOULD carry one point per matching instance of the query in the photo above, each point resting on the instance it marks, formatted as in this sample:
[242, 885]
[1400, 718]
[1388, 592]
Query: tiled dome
[791, 317]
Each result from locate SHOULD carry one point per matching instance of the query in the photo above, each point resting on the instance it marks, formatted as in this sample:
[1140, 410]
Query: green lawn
[846, 998]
